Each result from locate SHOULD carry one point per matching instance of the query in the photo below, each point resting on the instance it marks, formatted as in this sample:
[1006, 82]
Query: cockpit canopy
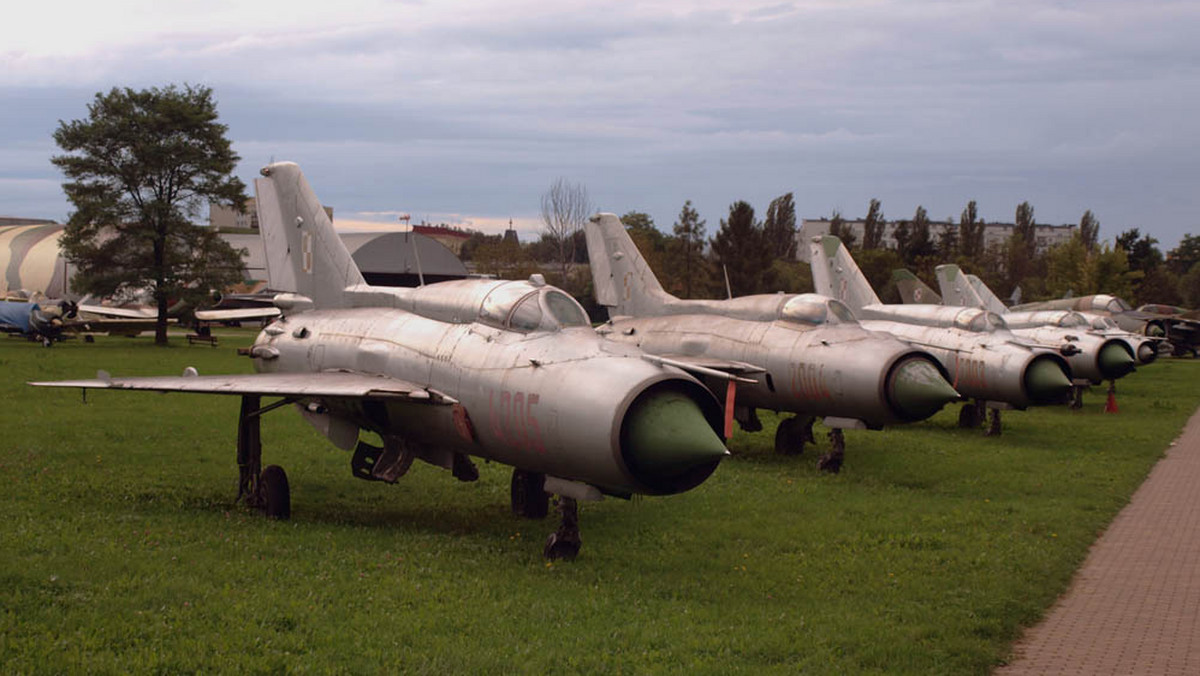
[1072, 320]
[1103, 323]
[525, 306]
[979, 321]
[1111, 304]
[812, 309]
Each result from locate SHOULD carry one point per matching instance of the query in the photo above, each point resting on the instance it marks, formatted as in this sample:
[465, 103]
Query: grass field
[121, 549]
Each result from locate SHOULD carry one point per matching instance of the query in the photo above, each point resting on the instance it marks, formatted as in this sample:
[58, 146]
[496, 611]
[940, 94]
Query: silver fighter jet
[966, 289]
[509, 371]
[984, 359]
[806, 352]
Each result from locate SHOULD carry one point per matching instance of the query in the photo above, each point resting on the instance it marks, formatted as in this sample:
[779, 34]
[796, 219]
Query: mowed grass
[121, 549]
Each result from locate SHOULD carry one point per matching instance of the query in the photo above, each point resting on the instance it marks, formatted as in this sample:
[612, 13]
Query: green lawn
[121, 549]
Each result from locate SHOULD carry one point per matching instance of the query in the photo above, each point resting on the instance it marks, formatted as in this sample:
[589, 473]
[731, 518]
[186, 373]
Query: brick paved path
[1134, 606]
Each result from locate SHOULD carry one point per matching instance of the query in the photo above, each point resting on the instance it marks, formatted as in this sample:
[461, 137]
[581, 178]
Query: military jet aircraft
[1099, 358]
[975, 293]
[1183, 334]
[986, 362]
[807, 353]
[509, 371]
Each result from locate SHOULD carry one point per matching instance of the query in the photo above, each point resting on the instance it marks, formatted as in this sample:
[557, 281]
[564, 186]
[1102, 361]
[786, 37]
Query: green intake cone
[668, 435]
[1045, 381]
[1114, 361]
[917, 389]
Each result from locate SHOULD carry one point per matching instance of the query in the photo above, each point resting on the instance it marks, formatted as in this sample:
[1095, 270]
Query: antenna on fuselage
[728, 291]
[407, 218]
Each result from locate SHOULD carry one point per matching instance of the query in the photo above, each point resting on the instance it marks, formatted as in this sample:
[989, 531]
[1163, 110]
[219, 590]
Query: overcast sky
[466, 112]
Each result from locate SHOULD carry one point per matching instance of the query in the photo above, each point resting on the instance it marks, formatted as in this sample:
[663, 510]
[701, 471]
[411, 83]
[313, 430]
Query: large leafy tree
[689, 248]
[873, 227]
[139, 168]
[970, 232]
[741, 248]
[779, 229]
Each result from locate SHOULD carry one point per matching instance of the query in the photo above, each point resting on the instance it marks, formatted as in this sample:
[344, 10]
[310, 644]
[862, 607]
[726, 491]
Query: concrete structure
[993, 233]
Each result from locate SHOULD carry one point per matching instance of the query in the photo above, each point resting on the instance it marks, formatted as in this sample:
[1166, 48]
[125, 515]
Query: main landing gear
[266, 489]
[531, 501]
[972, 415]
[793, 433]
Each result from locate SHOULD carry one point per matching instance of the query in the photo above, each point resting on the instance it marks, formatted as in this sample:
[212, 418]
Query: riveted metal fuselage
[550, 402]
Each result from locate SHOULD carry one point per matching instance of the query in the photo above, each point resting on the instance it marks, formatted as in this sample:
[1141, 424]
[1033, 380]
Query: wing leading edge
[322, 384]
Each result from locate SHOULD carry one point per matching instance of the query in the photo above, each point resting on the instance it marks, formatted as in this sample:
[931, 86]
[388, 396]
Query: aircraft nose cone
[1046, 382]
[1114, 360]
[1147, 352]
[667, 435]
[917, 389]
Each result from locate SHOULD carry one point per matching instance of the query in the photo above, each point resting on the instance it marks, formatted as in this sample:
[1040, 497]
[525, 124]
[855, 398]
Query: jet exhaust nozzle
[1046, 382]
[1147, 352]
[917, 390]
[668, 440]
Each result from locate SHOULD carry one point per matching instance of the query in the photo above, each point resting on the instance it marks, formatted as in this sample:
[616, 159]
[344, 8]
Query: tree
[1142, 253]
[564, 207]
[139, 168]
[740, 247]
[947, 242]
[1184, 257]
[839, 229]
[873, 227]
[649, 240]
[970, 232]
[920, 243]
[779, 230]
[1089, 230]
[689, 235]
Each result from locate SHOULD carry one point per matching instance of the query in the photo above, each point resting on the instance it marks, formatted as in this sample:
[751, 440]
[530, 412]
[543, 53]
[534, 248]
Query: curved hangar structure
[30, 260]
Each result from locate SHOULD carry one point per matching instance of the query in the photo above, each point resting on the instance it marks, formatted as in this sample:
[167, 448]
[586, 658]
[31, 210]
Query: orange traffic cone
[1110, 405]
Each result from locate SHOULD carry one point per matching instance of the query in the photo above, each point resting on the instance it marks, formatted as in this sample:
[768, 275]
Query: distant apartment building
[224, 217]
[993, 233]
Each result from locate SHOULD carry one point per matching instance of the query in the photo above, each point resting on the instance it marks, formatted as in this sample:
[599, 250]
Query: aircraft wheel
[529, 498]
[790, 436]
[277, 497]
[830, 463]
[968, 416]
[46, 342]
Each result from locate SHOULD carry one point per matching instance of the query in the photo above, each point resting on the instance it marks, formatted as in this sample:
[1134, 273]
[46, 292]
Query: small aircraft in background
[986, 362]
[51, 321]
[509, 371]
[1181, 332]
[806, 352]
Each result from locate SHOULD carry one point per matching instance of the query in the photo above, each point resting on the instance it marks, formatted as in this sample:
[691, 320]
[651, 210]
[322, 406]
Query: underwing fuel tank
[598, 413]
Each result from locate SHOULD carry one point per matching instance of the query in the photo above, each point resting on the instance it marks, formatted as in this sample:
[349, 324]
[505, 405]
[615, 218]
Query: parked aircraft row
[512, 371]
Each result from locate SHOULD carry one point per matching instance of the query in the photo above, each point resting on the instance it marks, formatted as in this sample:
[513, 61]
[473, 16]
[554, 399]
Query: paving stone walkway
[1134, 606]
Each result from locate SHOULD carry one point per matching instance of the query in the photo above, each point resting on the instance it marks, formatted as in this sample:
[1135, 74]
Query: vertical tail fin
[304, 253]
[836, 274]
[913, 290]
[956, 288]
[991, 302]
[621, 277]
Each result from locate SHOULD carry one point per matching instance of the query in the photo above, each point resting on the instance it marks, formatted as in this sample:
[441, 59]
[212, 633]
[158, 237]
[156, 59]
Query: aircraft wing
[237, 314]
[300, 385]
[722, 368]
[119, 312]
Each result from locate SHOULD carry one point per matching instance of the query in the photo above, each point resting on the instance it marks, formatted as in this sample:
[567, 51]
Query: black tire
[969, 416]
[277, 497]
[790, 436]
[529, 498]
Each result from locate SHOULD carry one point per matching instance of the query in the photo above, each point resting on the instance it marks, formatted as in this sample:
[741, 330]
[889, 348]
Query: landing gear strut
[263, 489]
[564, 543]
[792, 434]
[529, 497]
[970, 415]
[832, 461]
[993, 429]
